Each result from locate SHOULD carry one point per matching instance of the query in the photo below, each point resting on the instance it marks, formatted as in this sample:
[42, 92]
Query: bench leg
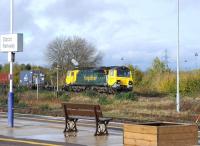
[70, 125]
[198, 121]
[101, 128]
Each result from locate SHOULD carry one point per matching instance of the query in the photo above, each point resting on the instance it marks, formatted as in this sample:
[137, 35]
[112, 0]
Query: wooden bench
[73, 112]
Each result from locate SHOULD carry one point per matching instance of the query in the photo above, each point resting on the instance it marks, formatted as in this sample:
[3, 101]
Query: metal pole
[178, 45]
[196, 59]
[11, 94]
[37, 86]
[11, 16]
[57, 83]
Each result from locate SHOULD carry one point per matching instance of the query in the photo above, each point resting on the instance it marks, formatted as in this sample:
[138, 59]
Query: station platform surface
[33, 132]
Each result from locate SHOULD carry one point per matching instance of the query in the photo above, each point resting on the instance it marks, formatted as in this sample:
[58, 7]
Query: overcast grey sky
[137, 30]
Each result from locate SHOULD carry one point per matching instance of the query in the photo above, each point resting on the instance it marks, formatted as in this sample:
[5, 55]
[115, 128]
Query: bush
[90, 93]
[103, 100]
[22, 105]
[21, 89]
[46, 95]
[65, 97]
[44, 107]
[3, 101]
[126, 96]
[16, 98]
[190, 85]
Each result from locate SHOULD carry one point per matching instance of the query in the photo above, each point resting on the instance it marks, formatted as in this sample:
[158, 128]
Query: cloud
[136, 30]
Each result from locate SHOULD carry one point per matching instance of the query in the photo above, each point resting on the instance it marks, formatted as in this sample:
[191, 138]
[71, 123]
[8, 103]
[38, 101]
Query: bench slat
[81, 106]
[81, 117]
[88, 113]
[105, 119]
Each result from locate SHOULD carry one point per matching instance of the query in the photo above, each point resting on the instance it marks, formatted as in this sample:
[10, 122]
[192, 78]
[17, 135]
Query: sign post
[11, 43]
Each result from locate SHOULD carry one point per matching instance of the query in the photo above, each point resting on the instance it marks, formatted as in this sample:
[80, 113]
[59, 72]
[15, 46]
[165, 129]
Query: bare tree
[61, 51]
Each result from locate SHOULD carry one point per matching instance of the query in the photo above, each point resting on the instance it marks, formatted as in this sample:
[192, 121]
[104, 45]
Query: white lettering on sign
[5, 39]
[7, 46]
[12, 43]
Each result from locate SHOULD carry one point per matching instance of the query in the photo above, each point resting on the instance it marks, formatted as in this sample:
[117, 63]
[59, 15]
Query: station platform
[38, 130]
[49, 132]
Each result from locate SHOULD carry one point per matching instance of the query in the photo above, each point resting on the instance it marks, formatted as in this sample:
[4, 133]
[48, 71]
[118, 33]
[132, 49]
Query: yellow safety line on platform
[27, 142]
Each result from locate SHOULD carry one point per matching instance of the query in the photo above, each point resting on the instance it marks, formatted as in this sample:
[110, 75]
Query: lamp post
[122, 59]
[57, 68]
[37, 84]
[177, 65]
[185, 61]
[196, 56]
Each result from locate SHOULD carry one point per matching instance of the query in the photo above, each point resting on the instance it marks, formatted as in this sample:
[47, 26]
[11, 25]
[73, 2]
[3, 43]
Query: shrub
[103, 100]
[90, 93]
[21, 89]
[16, 98]
[167, 84]
[44, 107]
[65, 97]
[22, 104]
[3, 101]
[126, 96]
[46, 95]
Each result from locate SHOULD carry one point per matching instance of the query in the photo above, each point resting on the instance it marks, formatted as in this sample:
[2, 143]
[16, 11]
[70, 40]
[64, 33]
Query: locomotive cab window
[111, 72]
[68, 73]
[123, 73]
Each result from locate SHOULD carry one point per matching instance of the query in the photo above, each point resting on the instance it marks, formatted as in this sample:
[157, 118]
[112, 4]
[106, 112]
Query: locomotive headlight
[118, 81]
[130, 83]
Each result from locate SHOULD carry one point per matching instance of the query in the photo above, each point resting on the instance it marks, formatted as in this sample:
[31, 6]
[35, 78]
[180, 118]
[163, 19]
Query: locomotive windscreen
[123, 72]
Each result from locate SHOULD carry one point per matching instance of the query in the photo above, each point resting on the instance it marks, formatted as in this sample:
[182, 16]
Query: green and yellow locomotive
[102, 79]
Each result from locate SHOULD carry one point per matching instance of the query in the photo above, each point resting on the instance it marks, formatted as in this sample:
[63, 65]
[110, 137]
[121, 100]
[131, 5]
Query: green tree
[22, 67]
[16, 73]
[28, 67]
[6, 68]
[158, 66]
[137, 74]
[1, 67]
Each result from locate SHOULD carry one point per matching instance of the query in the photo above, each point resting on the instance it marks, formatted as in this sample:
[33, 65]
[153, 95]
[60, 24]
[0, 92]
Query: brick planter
[160, 134]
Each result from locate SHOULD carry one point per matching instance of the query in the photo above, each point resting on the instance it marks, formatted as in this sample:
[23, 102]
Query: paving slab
[49, 131]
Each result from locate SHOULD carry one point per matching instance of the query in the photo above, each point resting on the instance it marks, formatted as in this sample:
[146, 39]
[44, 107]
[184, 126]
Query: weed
[3, 101]
[45, 107]
[21, 89]
[126, 96]
[104, 100]
[16, 99]
[47, 95]
[22, 104]
[90, 93]
[65, 97]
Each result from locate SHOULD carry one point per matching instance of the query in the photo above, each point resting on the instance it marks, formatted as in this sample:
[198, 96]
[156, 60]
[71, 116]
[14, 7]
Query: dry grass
[144, 109]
